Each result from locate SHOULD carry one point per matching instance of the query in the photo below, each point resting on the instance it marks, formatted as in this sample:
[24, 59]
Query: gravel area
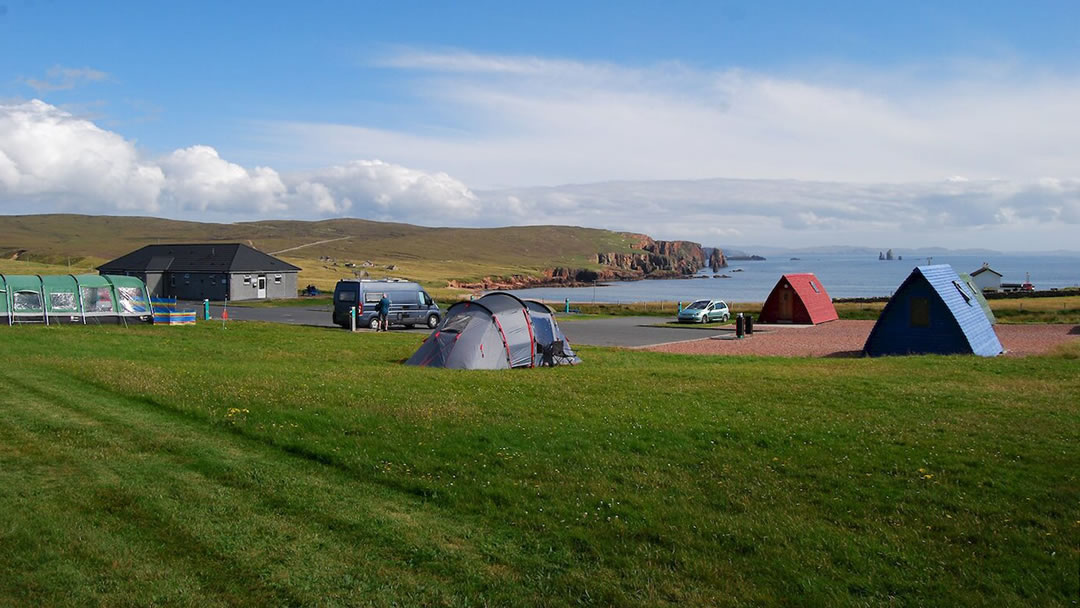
[846, 339]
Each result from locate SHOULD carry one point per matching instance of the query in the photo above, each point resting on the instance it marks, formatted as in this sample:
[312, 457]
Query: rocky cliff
[652, 260]
[717, 259]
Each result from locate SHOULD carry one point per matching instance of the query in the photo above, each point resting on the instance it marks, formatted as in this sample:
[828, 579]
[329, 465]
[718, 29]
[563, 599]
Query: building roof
[958, 298]
[986, 268]
[197, 257]
[810, 295]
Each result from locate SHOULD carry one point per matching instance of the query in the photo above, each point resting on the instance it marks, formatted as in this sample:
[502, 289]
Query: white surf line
[310, 245]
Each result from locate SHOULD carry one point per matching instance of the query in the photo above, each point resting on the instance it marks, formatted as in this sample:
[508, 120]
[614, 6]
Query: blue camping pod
[934, 311]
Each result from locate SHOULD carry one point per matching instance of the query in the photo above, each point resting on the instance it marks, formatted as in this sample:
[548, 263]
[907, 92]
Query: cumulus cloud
[48, 156]
[200, 180]
[51, 160]
[392, 192]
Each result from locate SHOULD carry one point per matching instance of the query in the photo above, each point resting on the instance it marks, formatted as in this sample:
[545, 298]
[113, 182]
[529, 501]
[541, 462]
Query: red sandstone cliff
[653, 260]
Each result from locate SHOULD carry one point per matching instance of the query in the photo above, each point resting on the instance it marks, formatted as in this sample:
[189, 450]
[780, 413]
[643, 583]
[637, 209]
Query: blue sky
[804, 123]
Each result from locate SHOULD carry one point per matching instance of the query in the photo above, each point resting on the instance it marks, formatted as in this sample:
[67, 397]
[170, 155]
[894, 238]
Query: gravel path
[846, 339]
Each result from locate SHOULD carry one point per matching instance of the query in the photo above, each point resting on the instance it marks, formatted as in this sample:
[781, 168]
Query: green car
[705, 311]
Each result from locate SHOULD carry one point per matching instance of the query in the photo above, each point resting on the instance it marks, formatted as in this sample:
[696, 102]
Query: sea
[843, 276]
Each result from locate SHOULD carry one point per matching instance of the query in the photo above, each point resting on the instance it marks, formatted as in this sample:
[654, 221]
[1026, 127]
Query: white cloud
[48, 156]
[508, 120]
[787, 211]
[200, 180]
[51, 160]
[60, 78]
[386, 191]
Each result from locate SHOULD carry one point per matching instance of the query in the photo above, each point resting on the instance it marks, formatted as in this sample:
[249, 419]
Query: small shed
[986, 278]
[933, 311]
[798, 298]
[211, 271]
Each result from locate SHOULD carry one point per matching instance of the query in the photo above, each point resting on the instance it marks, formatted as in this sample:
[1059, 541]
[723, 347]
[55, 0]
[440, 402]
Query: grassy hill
[198, 467]
[431, 255]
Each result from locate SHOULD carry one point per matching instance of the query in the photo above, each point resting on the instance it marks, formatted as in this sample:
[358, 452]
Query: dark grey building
[208, 271]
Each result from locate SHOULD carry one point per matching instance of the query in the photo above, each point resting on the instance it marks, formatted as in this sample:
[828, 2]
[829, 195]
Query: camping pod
[496, 331]
[933, 311]
[798, 298]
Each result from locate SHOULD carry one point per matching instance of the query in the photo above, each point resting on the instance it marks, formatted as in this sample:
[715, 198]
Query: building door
[262, 287]
[785, 305]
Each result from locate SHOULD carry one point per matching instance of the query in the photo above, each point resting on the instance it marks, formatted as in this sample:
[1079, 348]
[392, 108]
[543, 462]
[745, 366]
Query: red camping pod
[798, 298]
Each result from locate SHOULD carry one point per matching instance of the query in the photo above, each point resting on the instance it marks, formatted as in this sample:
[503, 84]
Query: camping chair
[555, 354]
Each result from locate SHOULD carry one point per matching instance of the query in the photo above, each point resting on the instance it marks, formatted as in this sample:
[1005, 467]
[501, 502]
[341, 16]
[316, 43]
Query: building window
[813, 286]
[920, 312]
[247, 279]
[277, 279]
[963, 294]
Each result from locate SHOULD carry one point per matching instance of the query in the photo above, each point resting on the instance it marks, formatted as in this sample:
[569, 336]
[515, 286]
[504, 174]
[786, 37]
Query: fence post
[352, 318]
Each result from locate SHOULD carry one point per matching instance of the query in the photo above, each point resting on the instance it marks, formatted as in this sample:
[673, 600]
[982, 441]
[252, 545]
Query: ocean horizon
[843, 276]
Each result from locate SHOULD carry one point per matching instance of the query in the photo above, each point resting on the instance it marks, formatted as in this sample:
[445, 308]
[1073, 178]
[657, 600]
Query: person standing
[384, 313]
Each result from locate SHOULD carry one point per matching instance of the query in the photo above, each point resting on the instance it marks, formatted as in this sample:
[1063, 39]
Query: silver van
[410, 305]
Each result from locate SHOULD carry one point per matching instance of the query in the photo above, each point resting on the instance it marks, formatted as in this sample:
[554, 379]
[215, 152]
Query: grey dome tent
[496, 331]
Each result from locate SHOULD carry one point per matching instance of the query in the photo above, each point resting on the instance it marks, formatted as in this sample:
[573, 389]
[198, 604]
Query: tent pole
[78, 298]
[7, 299]
[41, 292]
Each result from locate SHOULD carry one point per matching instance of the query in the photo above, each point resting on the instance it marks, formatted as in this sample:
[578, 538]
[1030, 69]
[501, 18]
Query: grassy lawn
[273, 465]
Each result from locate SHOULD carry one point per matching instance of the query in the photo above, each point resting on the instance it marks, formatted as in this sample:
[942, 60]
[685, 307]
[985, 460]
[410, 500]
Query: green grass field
[272, 465]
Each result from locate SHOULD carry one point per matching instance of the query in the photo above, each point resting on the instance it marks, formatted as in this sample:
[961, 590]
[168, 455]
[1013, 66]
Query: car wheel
[724, 319]
[373, 323]
[704, 319]
[432, 321]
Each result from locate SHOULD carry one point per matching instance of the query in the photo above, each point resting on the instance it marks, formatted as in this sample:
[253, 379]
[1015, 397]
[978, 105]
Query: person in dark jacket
[384, 313]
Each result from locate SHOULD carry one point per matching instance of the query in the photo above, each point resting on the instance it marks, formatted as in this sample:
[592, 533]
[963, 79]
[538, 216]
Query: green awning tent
[69, 298]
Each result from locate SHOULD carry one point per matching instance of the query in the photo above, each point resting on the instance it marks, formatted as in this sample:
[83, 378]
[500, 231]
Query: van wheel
[432, 321]
[373, 323]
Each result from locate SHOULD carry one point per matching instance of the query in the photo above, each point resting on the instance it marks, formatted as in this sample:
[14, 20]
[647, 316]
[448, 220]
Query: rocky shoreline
[653, 260]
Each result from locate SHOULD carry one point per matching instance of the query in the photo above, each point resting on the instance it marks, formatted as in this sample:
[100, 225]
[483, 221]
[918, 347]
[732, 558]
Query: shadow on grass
[1075, 331]
[845, 354]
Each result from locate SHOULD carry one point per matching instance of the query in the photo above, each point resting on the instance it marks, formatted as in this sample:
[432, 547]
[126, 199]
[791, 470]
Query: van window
[402, 298]
[426, 299]
[346, 296]
[372, 297]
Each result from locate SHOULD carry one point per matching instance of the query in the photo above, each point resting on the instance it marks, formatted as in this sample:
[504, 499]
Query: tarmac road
[618, 331]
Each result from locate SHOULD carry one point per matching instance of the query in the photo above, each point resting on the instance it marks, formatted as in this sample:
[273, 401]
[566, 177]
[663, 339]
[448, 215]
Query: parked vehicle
[409, 304]
[705, 311]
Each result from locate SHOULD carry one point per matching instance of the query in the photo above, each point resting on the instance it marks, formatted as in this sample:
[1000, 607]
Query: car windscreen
[699, 305]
